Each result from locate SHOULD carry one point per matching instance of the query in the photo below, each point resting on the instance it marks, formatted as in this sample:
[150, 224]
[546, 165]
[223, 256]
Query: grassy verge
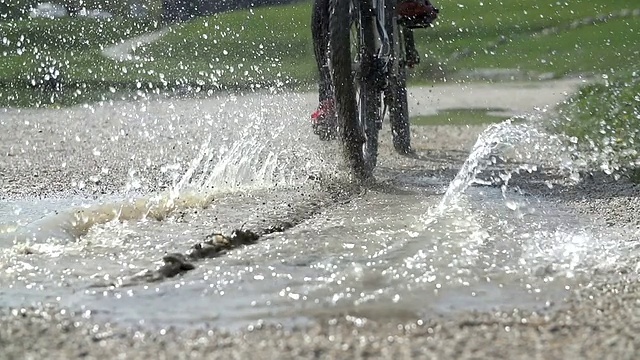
[461, 39]
[263, 45]
[272, 46]
[459, 117]
[605, 118]
[274, 43]
[32, 49]
[589, 49]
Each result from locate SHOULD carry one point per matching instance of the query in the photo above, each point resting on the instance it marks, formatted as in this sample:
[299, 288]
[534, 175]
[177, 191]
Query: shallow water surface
[414, 244]
[385, 253]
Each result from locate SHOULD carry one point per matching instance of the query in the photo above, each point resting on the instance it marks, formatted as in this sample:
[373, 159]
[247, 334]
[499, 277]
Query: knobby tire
[356, 94]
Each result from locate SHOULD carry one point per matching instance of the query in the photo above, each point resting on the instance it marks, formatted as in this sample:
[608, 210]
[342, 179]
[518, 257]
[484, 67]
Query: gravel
[58, 152]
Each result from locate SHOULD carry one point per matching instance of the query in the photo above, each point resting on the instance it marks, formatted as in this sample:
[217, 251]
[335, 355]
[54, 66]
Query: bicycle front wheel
[396, 95]
[352, 57]
[399, 112]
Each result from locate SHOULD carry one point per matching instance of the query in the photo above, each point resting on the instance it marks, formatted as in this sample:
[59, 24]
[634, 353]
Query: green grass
[65, 34]
[272, 45]
[459, 117]
[591, 49]
[261, 45]
[477, 22]
[75, 43]
[605, 119]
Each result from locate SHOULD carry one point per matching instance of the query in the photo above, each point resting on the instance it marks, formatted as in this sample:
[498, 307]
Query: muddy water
[389, 251]
[384, 253]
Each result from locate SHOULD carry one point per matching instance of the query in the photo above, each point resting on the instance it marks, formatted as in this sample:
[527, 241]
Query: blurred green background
[271, 46]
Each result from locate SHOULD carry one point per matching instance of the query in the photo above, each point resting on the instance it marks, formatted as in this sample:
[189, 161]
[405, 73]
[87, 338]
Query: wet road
[159, 176]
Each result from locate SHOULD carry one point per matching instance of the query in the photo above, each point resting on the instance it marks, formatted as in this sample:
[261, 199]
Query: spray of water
[492, 139]
[265, 154]
[538, 243]
[525, 143]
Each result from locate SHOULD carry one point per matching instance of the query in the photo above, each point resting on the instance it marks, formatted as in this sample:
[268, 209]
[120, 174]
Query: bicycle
[368, 64]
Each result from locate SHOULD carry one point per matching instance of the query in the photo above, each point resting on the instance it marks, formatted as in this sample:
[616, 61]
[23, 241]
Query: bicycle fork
[381, 60]
[384, 46]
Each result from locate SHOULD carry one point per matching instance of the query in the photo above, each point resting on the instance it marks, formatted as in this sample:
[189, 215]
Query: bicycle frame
[368, 80]
[384, 51]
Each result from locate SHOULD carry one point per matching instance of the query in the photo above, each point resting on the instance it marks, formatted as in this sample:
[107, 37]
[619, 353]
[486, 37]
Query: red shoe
[416, 13]
[324, 120]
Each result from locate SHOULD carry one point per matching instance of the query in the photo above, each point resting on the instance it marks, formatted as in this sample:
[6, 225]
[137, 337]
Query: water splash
[265, 154]
[522, 142]
[568, 252]
[543, 245]
[261, 148]
[70, 225]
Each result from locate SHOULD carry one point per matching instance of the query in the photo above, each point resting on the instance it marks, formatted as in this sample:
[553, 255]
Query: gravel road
[118, 147]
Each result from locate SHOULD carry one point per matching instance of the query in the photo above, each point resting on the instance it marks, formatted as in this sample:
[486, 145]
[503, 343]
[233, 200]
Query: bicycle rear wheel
[352, 50]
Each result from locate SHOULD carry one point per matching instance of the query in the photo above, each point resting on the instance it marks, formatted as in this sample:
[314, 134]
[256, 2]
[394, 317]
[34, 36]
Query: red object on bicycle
[417, 9]
[324, 111]
[324, 120]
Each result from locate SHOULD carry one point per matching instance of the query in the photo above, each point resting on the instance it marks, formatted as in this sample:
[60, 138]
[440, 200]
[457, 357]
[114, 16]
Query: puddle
[417, 246]
[377, 256]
